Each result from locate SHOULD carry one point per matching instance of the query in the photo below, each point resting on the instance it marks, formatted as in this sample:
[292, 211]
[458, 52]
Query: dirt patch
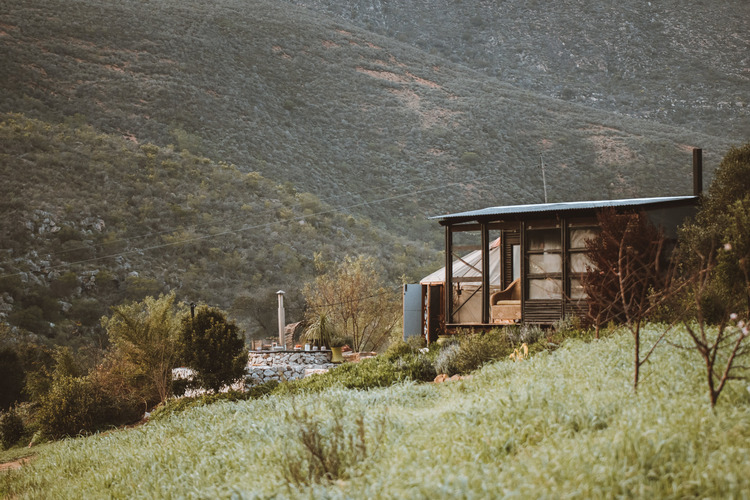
[16, 464]
[383, 75]
[445, 378]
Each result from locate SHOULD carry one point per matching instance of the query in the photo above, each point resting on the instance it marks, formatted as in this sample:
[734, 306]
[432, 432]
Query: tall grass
[565, 424]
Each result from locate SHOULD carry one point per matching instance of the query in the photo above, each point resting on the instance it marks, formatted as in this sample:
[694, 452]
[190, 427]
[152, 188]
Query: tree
[722, 346]
[213, 347]
[146, 339]
[722, 229]
[715, 249]
[13, 377]
[355, 301]
[320, 332]
[629, 276]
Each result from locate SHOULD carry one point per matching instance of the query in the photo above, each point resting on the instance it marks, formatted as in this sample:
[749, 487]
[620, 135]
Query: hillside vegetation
[90, 220]
[214, 148]
[343, 113]
[681, 62]
[559, 424]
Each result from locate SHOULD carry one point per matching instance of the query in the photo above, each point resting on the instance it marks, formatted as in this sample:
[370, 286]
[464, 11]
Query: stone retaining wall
[263, 366]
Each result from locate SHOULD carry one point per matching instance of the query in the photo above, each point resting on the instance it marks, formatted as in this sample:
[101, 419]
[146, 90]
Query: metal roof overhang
[518, 212]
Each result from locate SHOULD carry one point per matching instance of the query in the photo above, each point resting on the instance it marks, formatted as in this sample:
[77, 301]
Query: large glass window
[544, 263]
[578, 260]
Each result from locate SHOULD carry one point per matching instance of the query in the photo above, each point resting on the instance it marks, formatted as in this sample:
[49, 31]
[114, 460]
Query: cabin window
[544, 263]
[548, 288]
[578, 260]
[579, 235]
[516, 249]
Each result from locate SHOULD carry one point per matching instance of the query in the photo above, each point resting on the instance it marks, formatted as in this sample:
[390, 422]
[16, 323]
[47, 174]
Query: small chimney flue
[282, 319]
[697, 171]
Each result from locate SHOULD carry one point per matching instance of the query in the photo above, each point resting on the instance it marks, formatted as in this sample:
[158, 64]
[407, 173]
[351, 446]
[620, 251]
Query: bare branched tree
[354, 299]
[722, 346]
[715, 251]
[629, 278]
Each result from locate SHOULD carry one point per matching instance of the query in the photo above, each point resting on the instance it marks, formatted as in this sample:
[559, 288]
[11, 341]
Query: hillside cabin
[521, 263]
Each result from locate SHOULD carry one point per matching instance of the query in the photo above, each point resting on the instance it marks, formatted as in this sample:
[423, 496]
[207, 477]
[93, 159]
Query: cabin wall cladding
[285, 365]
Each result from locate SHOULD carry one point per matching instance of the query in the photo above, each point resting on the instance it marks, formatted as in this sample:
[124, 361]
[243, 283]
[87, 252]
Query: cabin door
[435, 316]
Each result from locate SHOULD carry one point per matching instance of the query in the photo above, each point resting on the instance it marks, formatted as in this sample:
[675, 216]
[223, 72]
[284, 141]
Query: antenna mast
[544, 177]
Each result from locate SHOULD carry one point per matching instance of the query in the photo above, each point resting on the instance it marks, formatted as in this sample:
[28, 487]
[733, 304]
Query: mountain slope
[340, 112]
[680, 62]
[186, 121]
[90, 220]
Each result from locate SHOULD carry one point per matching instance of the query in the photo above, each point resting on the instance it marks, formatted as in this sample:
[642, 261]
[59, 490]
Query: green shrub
[67, 408]
[525, 334]
[12, 375]
[368, 373]
[397, 350]
[74, 405]
[418, 366]
[473, 350]
[446, 359]
[179, 405]
[416, 342]
[328, 444]
[213, 347]
[11, 428]
[64, 285]
[339, 341]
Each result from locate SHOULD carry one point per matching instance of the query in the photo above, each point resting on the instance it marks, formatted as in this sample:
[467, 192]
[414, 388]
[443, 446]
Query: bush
[11, 428]
[717, 242]
[368, 373]
[472, 351]
[12, 375]
[419, 367]
[213, 348]
[76, 405]
[146, 340]
[179, 405]
[527, 334]
[328, 445]
[398, 349]
[72, 406]
[446, 358]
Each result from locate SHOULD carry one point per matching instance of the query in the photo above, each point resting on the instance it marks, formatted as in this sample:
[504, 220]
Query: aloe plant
[320, 332]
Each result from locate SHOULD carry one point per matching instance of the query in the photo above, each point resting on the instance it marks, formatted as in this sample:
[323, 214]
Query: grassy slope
[681, 62]
[340, 112]
[563, 424]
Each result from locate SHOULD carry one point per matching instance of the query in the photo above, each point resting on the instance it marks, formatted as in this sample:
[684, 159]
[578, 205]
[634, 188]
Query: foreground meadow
[561, 424]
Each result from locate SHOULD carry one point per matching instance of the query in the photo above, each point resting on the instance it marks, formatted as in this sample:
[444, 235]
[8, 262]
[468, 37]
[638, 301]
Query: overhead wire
[195, 226]
[220, 221]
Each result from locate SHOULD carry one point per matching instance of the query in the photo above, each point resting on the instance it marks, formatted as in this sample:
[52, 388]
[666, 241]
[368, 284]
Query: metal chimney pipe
[697, 171]
[282, 319]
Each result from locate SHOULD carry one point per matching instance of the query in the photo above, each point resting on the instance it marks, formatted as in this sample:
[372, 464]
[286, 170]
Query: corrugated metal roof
[563, 206]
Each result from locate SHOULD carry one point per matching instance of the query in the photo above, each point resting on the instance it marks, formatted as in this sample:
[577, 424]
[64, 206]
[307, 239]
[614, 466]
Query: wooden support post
[697, 172]
[485, 273]
[448, 288]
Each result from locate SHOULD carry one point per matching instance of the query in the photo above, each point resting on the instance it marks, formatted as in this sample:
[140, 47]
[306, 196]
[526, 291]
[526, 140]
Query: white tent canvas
[466, 299]
[470, 265]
